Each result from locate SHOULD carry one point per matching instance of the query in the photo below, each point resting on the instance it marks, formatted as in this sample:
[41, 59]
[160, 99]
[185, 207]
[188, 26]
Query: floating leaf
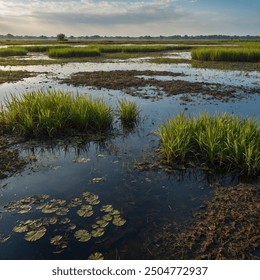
[53, 220]
[57, 167]
[56, 240]
[115, 212]
[62, 211]
[96, 256]
[86, 194]
[119, 222]
[24, 209]
[71, 227]
[98, 180]
[82, 235]
[107, 217]
[49, 208]
[102, 223]
[92, 199]
[94, 226]
[97, 232]
[64, 221]
[107, 208]
[75, 202]
[35, 235]
[81, 160]
[22, 226]
[85, 211]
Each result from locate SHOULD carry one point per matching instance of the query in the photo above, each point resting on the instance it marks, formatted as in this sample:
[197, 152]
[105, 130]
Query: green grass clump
[221, 142]
[50, 113]
[236, 54]
[73, 52]
[128, 112]
[12, 51]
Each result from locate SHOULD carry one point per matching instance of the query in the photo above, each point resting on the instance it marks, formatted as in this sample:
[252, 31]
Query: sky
[130, 17]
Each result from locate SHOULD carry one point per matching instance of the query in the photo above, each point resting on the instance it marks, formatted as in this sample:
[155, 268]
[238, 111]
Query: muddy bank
[228, 228]
[138, 83]
[14, 76]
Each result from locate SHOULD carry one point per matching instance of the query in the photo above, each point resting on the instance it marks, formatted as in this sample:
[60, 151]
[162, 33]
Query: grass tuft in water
[73, 52]
[236, 54]
[12, 51]
[128, 112]
[221, 142]
[49, 113]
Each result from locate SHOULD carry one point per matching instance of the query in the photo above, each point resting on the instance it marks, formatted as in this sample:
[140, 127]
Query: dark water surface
[145, 199]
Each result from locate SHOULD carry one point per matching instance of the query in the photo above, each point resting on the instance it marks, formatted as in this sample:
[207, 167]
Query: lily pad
[23, 226]
[85, 211]
[35, 235]
[107, 217]
[71, 227]
[56, 240]
[96, 256]
[24, 209]
[115, 212]
[82, 235]
[92, 199]
[4, 238]
[53, 220]
[102, 223]
[62, 211]
[98, 232]
[75, 202]
[107, 208]
[49, 208]
[118, 222]
[64, 221]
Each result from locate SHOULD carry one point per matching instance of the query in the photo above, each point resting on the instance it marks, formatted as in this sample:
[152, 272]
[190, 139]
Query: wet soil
[14, 76]
[227, 228]
[135, 82]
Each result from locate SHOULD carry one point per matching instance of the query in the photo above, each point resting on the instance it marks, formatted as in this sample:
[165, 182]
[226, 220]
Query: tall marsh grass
[73, 52]
[246, 54]
[12, 51]
[222, 142]
[128, 112]
[49, 113]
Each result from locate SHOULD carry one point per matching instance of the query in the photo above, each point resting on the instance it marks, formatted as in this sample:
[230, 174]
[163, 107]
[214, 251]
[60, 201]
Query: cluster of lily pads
[55, 210]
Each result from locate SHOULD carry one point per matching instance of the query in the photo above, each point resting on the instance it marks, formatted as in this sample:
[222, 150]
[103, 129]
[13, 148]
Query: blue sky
[130, 17]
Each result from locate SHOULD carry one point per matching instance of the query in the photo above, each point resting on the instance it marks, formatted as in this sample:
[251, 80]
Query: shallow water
[147, 200]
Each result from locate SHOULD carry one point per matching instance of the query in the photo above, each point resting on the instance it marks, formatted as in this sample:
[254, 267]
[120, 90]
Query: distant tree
[61, 37]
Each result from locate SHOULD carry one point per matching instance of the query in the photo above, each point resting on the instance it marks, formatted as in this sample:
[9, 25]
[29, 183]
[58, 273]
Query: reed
[73, 52]
[251, 53]
[50, 113]
[128, 112]
[221, 142]
[12, 51]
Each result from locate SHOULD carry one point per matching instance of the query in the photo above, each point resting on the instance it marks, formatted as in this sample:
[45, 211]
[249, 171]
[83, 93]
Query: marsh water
[106, 166]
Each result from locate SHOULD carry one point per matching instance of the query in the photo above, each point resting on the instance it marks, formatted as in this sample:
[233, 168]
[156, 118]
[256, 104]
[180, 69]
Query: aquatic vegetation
[49, 113]
[73, 52]
[82, 235]
[96, 256]
[12, 51]
[81, 160]
[128, 112]
[64, 228]
[97, 180]
[35, 235]
[247, 54]
[221, 142]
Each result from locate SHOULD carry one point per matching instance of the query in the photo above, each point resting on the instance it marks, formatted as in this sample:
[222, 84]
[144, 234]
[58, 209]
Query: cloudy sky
[130, 17]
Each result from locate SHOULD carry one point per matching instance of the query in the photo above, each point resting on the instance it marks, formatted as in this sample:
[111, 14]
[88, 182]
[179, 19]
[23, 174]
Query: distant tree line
[62, 37]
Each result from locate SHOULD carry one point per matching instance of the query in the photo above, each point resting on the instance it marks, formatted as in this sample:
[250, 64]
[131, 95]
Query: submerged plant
[222, 141]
